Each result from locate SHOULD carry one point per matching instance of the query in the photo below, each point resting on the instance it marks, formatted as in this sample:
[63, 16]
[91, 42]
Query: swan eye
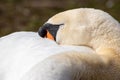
[49, 30]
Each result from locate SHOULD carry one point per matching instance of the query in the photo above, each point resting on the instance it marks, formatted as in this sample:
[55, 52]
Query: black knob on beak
[42, 32]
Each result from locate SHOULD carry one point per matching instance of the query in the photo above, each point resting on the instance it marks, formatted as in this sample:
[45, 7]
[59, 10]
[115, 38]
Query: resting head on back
[91, 28]
[84, 27]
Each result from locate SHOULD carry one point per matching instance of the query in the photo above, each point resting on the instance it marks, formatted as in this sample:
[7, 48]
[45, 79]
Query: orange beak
[49, 36]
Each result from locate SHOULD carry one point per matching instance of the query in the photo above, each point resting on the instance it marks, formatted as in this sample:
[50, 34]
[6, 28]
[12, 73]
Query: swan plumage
[91, 28]
[88, 49]
[21, 51]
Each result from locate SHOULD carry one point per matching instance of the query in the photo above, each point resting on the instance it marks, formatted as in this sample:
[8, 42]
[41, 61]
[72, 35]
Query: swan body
[22, 51]
[88, 49]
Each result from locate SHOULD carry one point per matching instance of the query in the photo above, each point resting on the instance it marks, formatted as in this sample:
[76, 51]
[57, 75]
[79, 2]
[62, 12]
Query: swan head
[83, 26]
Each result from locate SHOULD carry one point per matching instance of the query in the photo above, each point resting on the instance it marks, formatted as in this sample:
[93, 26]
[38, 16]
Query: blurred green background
[29, 15]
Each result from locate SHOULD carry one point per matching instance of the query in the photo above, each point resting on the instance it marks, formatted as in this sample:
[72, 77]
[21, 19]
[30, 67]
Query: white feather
[21, 51]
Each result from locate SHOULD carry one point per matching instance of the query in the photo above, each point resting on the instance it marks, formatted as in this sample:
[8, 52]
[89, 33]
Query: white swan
[92, 28]
[94, 56]
[20, 52]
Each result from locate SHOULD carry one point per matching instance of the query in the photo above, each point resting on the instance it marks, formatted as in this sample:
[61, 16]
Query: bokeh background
[29, 15]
